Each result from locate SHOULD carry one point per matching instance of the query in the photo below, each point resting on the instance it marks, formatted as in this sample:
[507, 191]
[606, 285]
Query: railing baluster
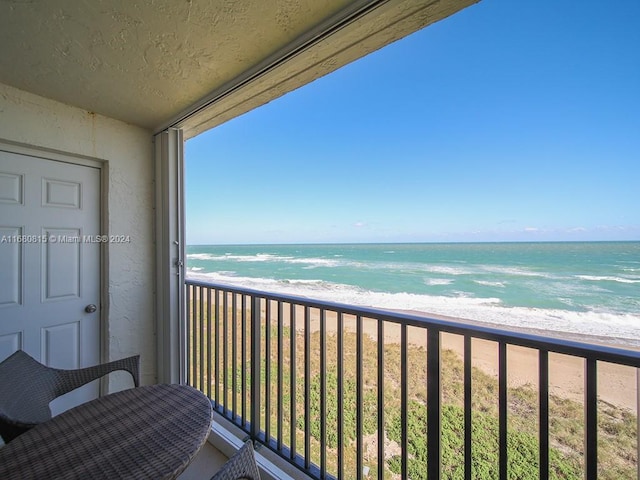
[209, 343]
[187, 333]
[468, 455]
[255, 367]
[243, 355]
[381, 418]
[267, 372]
[280, 375]
[307, 387]
[292, 386]
[359, 398]
[502, 409]
[433, 404]
[638, 421]
[340, 393]
[225, 353]
[323, 394]
[404, 441]
[217, 349]
[194, 337]
[543, 422]
[591, 419]
[201, 338]
[234, 338]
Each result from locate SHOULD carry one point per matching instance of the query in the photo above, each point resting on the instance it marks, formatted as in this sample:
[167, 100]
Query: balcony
[336, 391]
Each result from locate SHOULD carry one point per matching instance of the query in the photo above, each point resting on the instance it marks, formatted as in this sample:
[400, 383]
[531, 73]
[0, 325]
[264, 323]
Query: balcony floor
[208, 461]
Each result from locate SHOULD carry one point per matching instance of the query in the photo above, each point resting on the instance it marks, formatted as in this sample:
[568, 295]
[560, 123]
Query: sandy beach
[617, 384]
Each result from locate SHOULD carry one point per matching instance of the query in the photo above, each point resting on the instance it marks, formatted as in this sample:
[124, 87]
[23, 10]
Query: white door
[50, 264]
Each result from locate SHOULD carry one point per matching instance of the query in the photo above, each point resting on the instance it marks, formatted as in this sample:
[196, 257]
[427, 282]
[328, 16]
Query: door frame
[102, 166]
[170, 259]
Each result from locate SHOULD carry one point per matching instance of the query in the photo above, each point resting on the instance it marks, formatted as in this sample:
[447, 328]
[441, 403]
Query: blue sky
[509, 121]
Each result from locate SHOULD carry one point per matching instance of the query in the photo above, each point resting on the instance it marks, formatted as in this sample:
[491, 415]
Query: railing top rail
[538, 342]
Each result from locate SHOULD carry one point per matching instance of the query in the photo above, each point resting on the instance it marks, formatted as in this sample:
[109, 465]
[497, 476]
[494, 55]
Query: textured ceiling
[143, 61]
[147, 62]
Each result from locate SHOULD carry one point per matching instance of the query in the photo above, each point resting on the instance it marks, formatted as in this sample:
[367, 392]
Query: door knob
[90, 308]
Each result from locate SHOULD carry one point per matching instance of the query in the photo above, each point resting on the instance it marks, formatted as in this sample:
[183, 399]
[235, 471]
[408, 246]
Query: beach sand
[617, 384]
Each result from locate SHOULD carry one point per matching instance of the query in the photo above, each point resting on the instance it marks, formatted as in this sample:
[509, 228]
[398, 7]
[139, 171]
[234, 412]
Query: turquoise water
[585, 287]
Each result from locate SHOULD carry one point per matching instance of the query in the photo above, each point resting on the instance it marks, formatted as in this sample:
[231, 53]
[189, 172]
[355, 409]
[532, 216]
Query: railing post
[543, 417]
[323, 394]
[359, 398]
[292, 385]
[340, 393]
[188, 328]
[381, 403]
[255, 367]
[404, 402]
[307, 387]
[503, 466]
[467, 408]
[434, 395]
[591, 419]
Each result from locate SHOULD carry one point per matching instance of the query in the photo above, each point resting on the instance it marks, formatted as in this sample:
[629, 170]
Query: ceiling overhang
[197, 63]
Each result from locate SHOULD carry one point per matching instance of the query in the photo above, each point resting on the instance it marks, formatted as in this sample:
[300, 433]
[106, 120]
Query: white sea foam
[259, 257]
[596, 278]
[632, 271]
[438, 281]
[264, 257]
[315, 262]
[559, 288]
[448, 270]
[471, 269]
[488, 283]
[202, 256]
[569, 302]
[516, 271]
[488, 310]
[268, 257]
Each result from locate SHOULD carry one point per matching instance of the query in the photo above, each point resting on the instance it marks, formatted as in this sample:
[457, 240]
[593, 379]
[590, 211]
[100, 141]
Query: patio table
[150, 432]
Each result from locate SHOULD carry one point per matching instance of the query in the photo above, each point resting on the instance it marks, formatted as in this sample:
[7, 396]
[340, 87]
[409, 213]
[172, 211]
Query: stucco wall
[128, 153]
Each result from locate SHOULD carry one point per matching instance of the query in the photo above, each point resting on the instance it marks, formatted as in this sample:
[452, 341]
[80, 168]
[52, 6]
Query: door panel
[11, 271]
[10, 188]
[61, 265]
[49, 268]
[9, 343]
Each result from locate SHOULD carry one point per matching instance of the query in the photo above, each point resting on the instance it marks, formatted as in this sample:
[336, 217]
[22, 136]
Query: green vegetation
[617, 426]
[522, 447]
[349, 410]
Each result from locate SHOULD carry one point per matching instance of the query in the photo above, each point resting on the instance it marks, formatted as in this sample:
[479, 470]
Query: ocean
[588, 288]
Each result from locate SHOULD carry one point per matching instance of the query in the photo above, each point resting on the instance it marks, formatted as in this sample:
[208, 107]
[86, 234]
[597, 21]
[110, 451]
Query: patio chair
[27, 387]
[241, 466]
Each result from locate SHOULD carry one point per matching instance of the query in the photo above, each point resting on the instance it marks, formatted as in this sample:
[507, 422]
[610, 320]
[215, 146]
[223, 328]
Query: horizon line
[406, 242]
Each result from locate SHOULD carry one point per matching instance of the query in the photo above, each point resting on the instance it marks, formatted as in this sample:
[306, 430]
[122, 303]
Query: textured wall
[128, 153]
